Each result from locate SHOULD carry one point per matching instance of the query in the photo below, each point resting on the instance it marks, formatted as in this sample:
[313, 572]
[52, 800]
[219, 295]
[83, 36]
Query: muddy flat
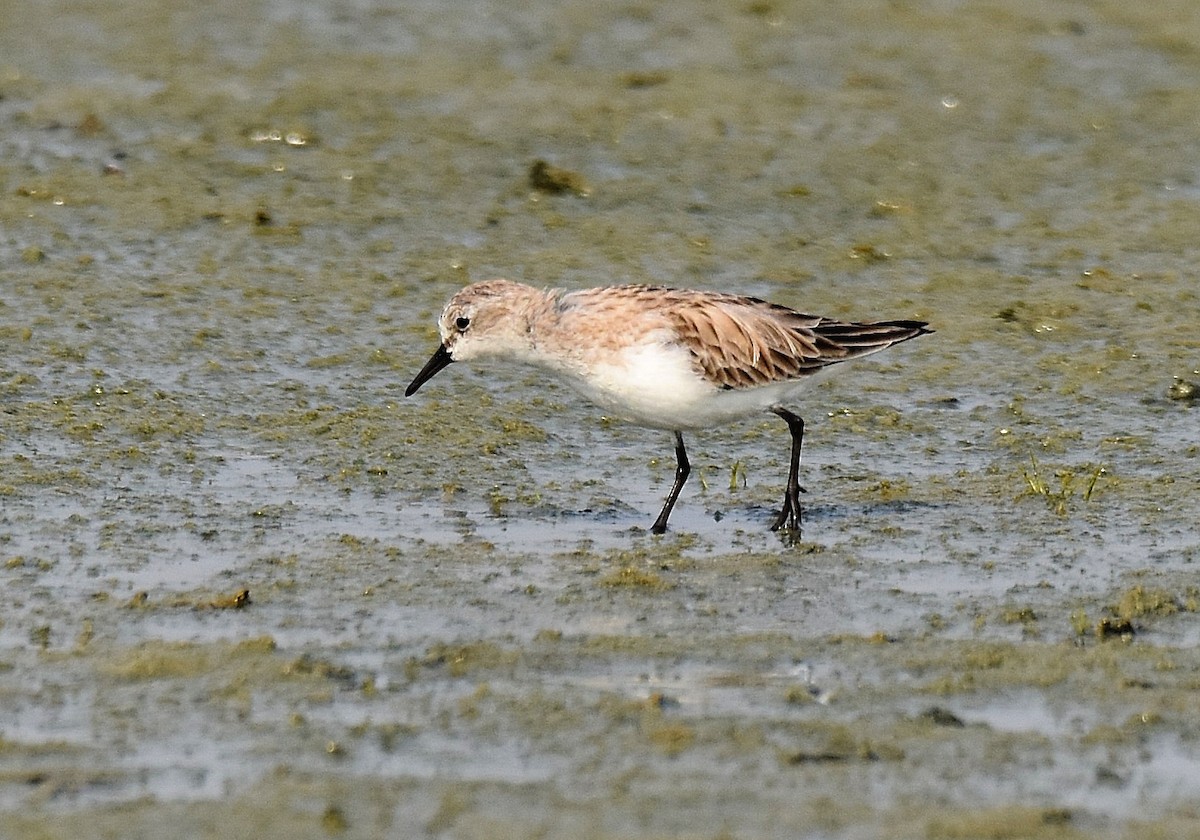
[250, 589]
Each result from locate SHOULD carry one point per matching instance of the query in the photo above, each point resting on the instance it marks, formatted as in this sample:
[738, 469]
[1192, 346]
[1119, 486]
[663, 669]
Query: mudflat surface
[251, 590]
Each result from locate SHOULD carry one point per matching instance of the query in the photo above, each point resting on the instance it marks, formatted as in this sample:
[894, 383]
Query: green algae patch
[236, 600]
[840, 744]
[670, 737]
[171, 660]
[989, 666]
[1142, 602]
[225, 258]
[1136, 610]
[1007, 823]
[11, 747]
[158, 661]
[635, 578]
[1063, 486]
[460, 660]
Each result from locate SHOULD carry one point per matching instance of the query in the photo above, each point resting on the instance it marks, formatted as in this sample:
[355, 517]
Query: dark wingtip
[917, 327]
[905, 330]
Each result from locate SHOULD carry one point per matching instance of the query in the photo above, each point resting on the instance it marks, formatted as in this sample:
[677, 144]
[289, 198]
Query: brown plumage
[665, 358]
[743, 342]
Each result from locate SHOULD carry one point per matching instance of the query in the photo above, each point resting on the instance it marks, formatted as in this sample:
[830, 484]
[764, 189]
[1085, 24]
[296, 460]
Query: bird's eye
[462, 322]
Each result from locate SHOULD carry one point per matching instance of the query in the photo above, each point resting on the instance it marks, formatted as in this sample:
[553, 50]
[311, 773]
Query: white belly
[658, 386]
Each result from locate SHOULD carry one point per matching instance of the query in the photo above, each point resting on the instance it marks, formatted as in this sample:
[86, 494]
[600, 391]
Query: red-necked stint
[670, 359]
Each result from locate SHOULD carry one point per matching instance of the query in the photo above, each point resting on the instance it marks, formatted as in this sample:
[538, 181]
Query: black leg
[681, 475]
[789, 517]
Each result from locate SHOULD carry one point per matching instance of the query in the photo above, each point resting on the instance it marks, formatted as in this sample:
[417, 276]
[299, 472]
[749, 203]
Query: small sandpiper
[670, 359]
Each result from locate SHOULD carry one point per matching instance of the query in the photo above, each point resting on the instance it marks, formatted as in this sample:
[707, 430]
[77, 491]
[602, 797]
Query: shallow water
[225, 234]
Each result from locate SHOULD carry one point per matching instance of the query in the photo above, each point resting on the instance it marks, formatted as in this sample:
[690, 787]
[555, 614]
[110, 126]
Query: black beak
[436, 362]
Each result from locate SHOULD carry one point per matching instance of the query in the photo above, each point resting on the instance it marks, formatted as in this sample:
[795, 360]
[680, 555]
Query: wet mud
[251, 590]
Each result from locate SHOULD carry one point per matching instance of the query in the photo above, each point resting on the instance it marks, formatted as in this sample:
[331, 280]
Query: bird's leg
[789, 517]
[682, 470]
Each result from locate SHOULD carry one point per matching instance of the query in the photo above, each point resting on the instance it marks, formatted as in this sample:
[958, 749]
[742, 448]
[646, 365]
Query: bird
[664, 358]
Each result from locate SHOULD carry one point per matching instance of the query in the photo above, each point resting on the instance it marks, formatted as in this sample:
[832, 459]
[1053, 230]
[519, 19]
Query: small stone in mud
[236, 601]
[644, 79]
[334, 820]
[1107, 627]
[552, 179]
[939, 716]
[658, 700]
[1182, 390]
[89, 126]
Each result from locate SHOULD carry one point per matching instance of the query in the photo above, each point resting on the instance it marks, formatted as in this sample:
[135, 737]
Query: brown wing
[741, 342]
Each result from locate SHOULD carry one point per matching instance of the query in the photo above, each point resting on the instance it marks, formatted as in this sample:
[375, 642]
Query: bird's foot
[789, 516]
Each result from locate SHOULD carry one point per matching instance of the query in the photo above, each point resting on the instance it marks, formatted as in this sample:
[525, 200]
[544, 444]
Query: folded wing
[741, 342]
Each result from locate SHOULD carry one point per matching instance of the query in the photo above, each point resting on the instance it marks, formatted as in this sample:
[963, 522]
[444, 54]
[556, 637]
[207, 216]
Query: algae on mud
[458, 624]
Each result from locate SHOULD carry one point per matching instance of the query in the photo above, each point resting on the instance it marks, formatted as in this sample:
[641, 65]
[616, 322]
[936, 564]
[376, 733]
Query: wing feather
[735, 341]
[740, 342]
